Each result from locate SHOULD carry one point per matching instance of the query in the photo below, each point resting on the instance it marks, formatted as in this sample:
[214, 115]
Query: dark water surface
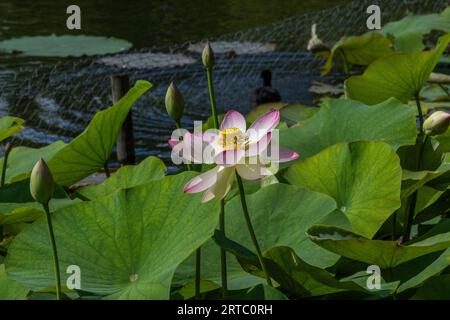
[58, 96]
[146, 23]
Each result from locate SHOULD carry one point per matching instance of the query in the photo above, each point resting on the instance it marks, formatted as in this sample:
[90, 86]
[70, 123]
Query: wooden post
[125, 140]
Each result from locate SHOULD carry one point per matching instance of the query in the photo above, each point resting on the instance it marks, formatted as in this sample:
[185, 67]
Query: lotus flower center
[231, 138]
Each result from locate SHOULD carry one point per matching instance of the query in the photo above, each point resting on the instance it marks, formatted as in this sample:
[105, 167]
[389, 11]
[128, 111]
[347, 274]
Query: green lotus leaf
[11, 213]
[64, 46]
[363, 177]
[408, 32]
[127, 177]
[280, 215]
[340, 120]
[359, 50]
[127, 244]
[296, 276]
[10, 126]
[399, 75]
[439, 206]
[21, 160]
[10, 289]
[91, 149]
[436, 288]
[435, 268]
[413, 180]
[385, 254]
[444, 141]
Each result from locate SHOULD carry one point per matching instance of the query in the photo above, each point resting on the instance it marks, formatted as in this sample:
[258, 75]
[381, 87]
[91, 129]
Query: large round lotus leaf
[10, 126]
[64, 46]
[127, 244]
[340, 120]
[21, 160]
[280, 214]
[127, 177]
[9, 289]
[385, 254]
[399, 75]
[363, 177]
[408, 33]
[92, 149]
[359, 50]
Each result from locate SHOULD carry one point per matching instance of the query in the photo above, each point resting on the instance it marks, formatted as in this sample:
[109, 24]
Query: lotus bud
[208, 57]
[437, 123]
[41, 182]
[174, 103]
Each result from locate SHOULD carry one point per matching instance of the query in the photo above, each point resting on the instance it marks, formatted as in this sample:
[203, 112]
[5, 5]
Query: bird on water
[266, 93]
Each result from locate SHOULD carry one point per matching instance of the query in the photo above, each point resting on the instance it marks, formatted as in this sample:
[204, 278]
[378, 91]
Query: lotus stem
[412, 204]
[419, 111]
[5, 163]
[212, 97]
[55, 252]
[223, 254]
[106, 168]
[251, 230]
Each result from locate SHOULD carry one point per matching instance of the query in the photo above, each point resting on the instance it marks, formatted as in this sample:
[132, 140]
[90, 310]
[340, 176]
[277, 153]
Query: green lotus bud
[174, 103]
[437, 123]
[208, 57]
[41, 182]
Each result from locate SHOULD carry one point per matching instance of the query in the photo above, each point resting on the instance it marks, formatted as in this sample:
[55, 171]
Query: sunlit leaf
[363, 177]
[359, 50]
[399, 75]
[127, 177]
[91, 149]
[340, 120]
[10, 126]
[127, 244]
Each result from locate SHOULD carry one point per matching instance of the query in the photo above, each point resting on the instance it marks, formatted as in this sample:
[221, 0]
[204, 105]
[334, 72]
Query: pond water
[147, 23]
[58, 97]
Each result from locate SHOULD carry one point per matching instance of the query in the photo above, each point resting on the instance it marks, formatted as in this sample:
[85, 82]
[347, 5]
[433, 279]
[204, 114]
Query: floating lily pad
[64, 46]
[238, 47]
[147, 60]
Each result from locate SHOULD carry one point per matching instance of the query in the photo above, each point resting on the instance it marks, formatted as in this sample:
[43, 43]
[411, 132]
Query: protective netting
[59, 99]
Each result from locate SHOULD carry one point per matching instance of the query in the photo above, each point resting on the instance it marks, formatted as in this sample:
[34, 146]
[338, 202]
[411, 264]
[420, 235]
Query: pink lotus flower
[238, 149]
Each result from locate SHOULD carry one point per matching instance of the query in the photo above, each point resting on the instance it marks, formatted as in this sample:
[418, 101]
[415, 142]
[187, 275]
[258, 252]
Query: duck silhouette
[266, 93]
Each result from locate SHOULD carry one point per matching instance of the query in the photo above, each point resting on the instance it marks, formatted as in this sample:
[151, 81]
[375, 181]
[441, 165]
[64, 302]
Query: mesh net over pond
[59, 99]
